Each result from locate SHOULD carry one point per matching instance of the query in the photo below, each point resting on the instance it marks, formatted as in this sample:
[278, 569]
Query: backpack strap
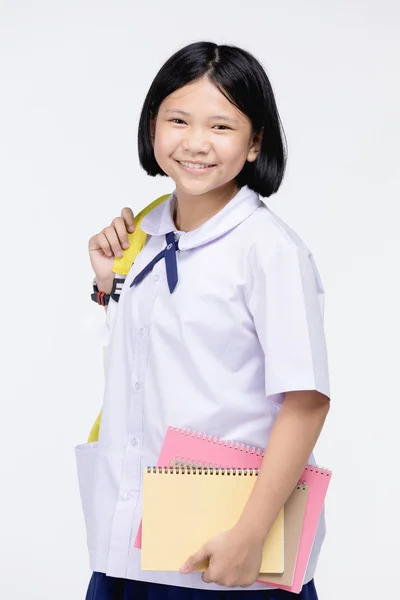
[136, 240]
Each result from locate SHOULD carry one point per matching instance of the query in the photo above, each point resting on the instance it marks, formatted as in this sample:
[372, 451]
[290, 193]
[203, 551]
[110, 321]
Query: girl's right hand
[109, 243]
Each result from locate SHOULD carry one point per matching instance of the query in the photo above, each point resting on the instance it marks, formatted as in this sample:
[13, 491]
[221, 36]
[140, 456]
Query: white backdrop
[73, 78]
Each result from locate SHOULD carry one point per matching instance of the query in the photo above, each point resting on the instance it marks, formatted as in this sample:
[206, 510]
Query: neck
[194, 211]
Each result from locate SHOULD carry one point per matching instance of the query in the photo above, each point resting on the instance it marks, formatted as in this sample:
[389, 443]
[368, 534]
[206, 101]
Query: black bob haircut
[242, 80]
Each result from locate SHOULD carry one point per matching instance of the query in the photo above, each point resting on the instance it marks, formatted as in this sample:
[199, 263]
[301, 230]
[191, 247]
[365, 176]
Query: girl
[219, 327]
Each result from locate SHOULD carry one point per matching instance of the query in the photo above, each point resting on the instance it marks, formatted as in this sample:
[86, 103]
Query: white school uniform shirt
[243, 326]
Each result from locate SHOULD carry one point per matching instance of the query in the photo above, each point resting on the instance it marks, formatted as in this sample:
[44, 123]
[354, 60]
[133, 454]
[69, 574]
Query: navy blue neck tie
[169, 253]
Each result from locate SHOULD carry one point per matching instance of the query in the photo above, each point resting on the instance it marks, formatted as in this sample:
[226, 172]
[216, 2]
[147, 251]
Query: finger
[100, 241]
[129, 218]
[195, 560]
[206, 577]
[120, 228]
[113, 240]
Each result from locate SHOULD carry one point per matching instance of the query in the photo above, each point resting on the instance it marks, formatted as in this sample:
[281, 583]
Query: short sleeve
[286, 300]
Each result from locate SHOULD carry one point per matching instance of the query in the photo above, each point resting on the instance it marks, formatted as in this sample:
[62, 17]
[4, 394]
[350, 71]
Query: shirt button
[156, 277]
[127, 496]
[134, 441]
[141, 331]
[137, 386]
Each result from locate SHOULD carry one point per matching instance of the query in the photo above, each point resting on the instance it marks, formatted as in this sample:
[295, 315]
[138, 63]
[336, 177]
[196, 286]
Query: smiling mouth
[195, 166]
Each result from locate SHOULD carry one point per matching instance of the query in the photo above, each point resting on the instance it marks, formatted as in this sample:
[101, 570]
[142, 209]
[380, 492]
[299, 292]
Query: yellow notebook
[184, 507]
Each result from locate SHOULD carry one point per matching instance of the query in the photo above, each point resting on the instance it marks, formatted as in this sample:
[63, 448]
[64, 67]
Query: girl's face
[201, 140]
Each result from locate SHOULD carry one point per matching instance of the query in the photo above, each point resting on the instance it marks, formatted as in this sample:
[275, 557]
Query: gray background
[73, 79]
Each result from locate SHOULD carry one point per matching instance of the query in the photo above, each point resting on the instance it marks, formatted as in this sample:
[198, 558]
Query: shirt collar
[159, 221]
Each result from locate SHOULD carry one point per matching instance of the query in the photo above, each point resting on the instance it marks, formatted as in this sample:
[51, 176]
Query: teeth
[194, 165]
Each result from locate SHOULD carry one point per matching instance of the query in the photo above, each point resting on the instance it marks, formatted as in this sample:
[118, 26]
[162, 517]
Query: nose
[196, 141]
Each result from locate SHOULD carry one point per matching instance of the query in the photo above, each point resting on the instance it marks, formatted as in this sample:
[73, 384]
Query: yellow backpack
[137, 240]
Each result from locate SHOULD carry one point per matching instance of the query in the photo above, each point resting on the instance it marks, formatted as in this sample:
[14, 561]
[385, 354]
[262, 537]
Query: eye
[223, 127]
[177, 121]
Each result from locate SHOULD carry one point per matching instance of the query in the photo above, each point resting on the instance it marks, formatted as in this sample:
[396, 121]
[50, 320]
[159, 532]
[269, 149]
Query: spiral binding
[320, 470]
[230, 444]
[216, 440]
[183, 469]
[195, 470]
[302, 486]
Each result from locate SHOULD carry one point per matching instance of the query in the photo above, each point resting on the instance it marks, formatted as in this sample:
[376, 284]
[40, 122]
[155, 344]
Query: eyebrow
[216, 117]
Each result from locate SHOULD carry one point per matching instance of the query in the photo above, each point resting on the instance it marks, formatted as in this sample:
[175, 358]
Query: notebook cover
[317, 480]
[183, 445]
[197, 504]
[295, 508]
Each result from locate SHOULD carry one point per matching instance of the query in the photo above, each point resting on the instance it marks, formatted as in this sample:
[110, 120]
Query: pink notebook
[183, 445]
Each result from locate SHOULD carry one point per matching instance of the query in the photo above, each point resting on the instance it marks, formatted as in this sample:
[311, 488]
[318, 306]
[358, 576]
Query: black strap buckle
[102, 298]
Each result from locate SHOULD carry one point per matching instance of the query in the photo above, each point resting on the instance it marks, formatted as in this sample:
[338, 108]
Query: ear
[255, 147]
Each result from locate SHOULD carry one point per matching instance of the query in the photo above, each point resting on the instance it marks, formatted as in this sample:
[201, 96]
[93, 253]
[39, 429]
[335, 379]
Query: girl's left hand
[234, 559]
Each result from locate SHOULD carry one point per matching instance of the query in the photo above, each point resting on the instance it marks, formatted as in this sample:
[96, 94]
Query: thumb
[195, 560]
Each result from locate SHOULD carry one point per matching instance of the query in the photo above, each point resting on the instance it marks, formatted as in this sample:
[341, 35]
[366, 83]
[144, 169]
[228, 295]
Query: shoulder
[272, 244]
[270, 234]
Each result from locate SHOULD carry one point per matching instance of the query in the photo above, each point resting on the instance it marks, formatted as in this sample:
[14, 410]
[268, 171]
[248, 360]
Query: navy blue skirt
[103, 587]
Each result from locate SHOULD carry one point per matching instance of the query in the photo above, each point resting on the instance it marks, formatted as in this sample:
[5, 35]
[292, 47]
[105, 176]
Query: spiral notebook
[295, 508]
[186, 446]
[197, 504]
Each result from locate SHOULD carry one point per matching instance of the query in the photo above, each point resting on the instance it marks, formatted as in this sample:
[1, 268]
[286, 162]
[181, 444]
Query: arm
[235, 555]
[286, 301]
[294, 435]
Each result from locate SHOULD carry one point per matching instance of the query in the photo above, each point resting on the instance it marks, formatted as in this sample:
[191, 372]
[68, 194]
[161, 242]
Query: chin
[197, 188]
